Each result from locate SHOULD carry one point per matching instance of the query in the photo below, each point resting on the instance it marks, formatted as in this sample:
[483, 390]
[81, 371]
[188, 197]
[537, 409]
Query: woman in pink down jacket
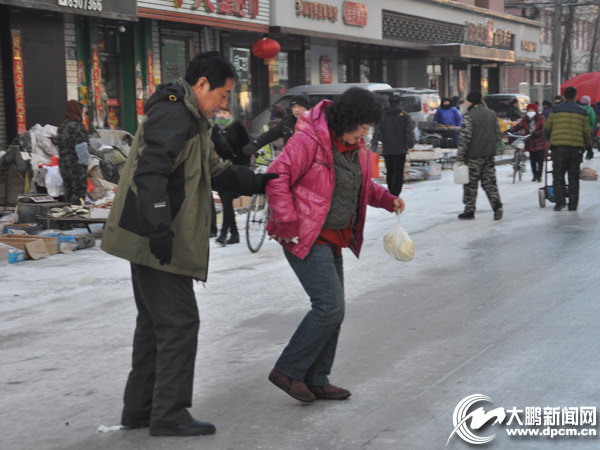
[318, 206]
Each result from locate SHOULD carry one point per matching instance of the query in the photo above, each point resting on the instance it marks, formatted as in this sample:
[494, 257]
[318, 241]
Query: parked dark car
[499, 103]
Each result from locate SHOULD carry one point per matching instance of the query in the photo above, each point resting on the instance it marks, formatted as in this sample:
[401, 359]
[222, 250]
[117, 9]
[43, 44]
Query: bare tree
[594, 41]
[567, 43]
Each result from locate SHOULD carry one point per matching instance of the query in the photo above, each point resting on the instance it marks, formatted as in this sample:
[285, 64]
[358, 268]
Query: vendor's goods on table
[424, 152]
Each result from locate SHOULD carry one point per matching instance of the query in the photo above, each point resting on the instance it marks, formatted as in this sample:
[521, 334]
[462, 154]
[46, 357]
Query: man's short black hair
[547, 103]
[354, 107]
[395, 100]
[570, 93]
[211, 65]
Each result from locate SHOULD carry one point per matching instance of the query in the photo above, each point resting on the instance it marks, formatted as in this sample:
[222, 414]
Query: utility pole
[556, 46]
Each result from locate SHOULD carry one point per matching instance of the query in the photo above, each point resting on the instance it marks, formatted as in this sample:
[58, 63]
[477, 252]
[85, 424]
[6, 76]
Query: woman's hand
[399, 205]
[282, 239]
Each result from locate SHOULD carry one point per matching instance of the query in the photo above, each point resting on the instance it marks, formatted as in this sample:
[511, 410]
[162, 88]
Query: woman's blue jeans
[311, 350]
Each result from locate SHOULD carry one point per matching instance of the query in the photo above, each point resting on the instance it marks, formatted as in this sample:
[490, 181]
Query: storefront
[174, 31]
[56, 50]
[447, 46]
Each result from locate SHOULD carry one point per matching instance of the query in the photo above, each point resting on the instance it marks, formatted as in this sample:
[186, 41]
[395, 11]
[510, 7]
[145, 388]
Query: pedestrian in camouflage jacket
[479, 135]
[71, 132]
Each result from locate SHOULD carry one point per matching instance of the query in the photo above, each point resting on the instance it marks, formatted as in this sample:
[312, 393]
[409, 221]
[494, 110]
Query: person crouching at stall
[318, 206]
[533, 123]
[229, 137]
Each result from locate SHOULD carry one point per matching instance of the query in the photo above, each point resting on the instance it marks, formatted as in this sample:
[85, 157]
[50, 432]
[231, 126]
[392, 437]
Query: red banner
[150, 74]
[326, 70]
[96, 84]
[19, 82]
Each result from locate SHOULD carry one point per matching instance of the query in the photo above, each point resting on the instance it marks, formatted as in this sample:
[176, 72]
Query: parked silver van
[316, 93]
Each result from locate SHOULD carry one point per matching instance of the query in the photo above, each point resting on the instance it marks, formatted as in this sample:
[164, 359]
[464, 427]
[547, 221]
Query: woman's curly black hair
[355, 107]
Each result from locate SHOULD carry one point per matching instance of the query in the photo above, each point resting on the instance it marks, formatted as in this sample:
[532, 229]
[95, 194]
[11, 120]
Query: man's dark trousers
[566, 160]
[160, 383]
[394, 166]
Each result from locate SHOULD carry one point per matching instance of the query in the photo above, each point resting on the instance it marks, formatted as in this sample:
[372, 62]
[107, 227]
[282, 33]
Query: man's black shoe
[466, 216]
[559, 207]
[221, 240]
[213, 234]
[192, 428]
[233, 239]
[498, 214]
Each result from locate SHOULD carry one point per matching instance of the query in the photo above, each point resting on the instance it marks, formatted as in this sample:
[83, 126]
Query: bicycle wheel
[516, 167]
[256, 222]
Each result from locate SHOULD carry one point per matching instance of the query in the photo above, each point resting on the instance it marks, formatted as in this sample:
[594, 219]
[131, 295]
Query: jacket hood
[392, 110]
[173, 92]
[314, 123]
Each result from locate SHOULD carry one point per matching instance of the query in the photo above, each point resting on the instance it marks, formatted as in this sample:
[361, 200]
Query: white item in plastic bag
[461, 174]
[588, 171]
[398, 244]
[54, 181]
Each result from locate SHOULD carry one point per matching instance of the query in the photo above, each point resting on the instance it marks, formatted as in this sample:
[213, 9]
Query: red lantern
[266, 48]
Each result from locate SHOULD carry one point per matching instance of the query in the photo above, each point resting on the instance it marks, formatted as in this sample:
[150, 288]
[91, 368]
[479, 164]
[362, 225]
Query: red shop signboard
[326, 70]
[355, 14]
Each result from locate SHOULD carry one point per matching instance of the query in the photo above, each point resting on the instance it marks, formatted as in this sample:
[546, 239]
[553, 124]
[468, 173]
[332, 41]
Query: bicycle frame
[519, 159]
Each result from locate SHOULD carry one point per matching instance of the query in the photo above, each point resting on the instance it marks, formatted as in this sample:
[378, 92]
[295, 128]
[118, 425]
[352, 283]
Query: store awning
[471, 52]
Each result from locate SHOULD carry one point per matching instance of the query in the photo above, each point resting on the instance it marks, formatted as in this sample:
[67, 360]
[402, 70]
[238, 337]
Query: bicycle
[258, 210]
[519, 167]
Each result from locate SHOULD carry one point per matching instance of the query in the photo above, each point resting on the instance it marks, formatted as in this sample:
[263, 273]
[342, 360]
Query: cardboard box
[99, 213]
[4, 254]
[35, 247]
[15, 255]
[242, 202]
[10, 255]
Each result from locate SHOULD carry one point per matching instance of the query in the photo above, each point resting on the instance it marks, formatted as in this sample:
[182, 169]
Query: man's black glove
[589, 154]
[259, 183]
[249, 149]
[161, 246]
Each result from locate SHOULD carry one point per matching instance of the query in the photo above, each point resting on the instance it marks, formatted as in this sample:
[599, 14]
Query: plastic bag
[398, 244]
[54, 181]
[83, 155]
[588, 171]
[461, 174]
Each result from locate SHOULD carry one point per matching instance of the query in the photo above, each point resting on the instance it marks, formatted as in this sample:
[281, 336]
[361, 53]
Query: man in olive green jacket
[160, 222]
[567, 130]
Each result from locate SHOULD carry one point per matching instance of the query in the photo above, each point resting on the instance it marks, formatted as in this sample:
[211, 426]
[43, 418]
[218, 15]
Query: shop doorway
[111, 87]
[44, 67]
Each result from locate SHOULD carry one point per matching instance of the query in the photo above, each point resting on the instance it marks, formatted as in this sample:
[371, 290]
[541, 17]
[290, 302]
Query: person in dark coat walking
[568, 132]
[284, 129]
[159, 222]
[479, 136]
[533, 123]
[229, 137]
[72, 163]
[396, 133]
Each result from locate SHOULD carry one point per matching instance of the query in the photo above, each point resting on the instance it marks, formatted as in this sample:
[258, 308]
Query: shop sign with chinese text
[355, 14]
